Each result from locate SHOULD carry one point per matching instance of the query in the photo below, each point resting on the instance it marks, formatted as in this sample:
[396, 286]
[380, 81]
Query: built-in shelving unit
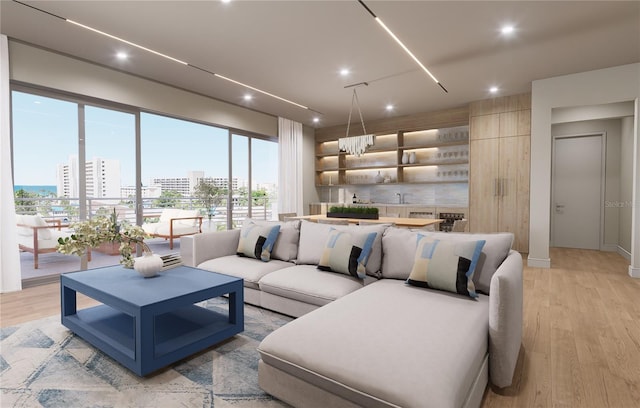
[405, 157]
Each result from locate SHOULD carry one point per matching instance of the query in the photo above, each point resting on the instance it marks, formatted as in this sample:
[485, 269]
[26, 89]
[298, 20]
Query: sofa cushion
[158, 228]
[37, 221]
[306, 283]
[445, 265]
[399, 249]
[256, 241]
[169, 213]
[23, 231]
[313, 236]
[249, 269]
[188, 214]
[286, 246]
[412, 351]
[399, 246]
[347, 252]
[494, 252]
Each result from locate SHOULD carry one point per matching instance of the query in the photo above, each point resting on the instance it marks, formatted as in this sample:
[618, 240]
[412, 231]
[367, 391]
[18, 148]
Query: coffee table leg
[69, 306]
[236, 307]
[145, 341]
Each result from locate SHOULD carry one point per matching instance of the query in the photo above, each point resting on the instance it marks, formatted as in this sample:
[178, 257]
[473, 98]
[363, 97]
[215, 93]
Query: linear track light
[125, 41]
[404, 47]
[259, 90]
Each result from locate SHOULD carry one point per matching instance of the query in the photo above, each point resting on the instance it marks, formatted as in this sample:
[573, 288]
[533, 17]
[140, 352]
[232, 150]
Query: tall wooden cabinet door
[483, 185]
[513, 189]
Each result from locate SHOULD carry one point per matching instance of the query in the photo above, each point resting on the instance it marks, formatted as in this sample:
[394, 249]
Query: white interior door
[577, 192]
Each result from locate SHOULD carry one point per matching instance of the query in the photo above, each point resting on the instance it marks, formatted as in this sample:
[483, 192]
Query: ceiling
[295, 49]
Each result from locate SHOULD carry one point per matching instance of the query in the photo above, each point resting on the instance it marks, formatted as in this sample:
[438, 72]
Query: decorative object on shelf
[365, 213]
[412, 157]
[378, 177]
[355, 199]
[356, 145]
[103, 229]
[387, 179]
[149, 264]
[405, 158]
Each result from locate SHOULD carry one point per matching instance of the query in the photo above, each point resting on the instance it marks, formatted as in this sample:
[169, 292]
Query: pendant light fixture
[356, 145]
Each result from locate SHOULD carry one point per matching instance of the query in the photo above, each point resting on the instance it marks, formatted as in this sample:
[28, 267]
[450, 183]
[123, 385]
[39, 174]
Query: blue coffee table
[147, 324]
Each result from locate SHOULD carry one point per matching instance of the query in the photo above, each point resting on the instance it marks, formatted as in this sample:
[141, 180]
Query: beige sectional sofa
[377, 341]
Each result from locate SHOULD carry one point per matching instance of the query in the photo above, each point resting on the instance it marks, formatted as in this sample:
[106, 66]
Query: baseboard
[609, 248]
[40, 280]
[626, 254]
[634, 272]
[539, 262]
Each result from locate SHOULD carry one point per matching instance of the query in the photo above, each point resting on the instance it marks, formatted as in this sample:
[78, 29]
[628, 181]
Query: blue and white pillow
[446, 265]
[347, 252]
[256, 241]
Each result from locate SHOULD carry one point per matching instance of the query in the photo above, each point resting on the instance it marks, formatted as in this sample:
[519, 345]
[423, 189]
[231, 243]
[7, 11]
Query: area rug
[43, 364]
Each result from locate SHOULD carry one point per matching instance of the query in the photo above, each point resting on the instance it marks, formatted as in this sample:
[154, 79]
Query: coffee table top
[128, 286]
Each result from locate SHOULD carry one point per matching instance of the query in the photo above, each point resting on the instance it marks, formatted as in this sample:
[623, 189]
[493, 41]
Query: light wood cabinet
[499, 166]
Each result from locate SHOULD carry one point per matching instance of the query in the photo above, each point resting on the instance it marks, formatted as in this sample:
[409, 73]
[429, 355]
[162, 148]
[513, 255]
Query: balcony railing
[68, 209]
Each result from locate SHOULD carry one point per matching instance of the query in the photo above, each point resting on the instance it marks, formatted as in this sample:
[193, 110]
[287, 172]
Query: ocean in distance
[42, 190]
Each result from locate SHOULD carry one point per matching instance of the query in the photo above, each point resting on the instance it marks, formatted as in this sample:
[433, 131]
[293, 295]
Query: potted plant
[370, 213]
[102, 229]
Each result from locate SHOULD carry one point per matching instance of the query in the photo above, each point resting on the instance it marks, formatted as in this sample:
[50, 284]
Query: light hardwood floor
[581, 335]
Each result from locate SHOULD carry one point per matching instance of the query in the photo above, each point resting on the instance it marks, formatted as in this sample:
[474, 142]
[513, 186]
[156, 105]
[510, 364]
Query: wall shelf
[441, 156]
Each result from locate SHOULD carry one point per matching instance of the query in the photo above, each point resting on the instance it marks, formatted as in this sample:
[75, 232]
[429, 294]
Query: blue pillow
[446, 265]
[347, 252]
[256, 241]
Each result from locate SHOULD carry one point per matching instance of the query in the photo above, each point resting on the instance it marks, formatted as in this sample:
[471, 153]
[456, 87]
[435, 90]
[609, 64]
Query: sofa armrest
[505, 320]
[195, 249]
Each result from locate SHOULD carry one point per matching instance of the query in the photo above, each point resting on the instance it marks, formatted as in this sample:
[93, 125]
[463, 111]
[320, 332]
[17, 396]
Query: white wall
[610, 85]
[44, 68]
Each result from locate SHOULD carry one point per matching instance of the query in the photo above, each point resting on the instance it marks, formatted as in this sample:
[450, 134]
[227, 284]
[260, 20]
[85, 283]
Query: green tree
[168, 199]
[209, 196]
[259, 197]
[26, 202]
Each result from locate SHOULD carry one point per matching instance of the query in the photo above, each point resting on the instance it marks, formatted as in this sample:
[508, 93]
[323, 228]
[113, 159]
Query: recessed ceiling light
[493, 89]
[316, 120]
[226, 1]
[122, 55]
[389, 107]
[344, 72]
[248, 97]
[507, 29]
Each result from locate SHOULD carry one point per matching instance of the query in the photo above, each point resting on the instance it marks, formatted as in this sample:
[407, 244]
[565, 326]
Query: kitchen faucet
[399, 198]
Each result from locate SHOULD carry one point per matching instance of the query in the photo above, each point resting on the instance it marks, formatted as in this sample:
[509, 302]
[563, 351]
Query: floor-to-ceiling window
[45, 143]
[240, 182]
[185, 165]
[74, 159]
[110, 164]
[264, 176]
[255, 178]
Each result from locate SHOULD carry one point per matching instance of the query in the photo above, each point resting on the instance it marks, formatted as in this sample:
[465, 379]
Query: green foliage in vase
[104, 229]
